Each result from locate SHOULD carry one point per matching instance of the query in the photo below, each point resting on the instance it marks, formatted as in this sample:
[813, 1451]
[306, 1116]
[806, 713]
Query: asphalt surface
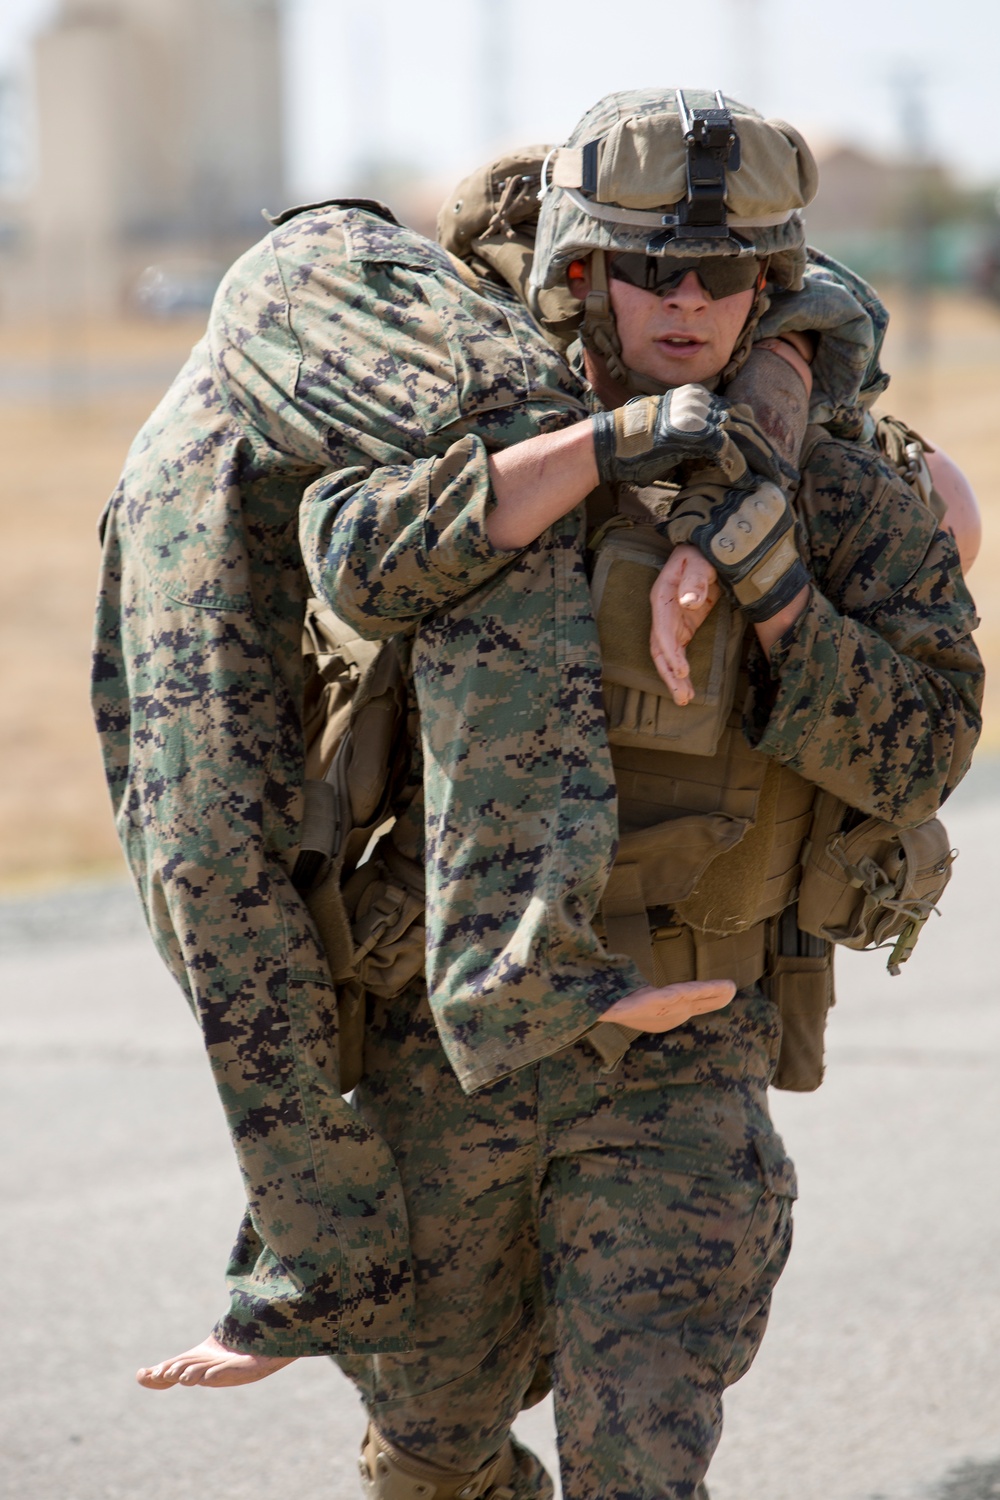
[880, 1375]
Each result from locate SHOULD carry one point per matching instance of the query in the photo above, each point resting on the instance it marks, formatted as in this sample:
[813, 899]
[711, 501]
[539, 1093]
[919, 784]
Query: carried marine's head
[678, 176]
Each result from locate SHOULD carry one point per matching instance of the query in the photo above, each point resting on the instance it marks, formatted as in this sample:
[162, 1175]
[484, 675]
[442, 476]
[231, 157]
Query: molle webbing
[669, 953]
[640, 712]
[690, 892]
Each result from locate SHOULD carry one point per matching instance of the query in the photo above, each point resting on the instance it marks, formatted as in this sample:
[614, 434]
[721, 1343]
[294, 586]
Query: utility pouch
[381, 909]
[354, 724]
[640, 711]
[872, 884]
[385, 907]
[800, 982]
[907, 451]
[802, 988]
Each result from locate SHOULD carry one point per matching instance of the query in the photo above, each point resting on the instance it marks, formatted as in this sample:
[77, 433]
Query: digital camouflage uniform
[493, 1200]
[342, 342]
[872, 695]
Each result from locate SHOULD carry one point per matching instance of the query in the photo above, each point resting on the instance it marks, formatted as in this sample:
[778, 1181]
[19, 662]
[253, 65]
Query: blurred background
[139, 140]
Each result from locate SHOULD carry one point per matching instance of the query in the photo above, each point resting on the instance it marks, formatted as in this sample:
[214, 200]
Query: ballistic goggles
[720, 275]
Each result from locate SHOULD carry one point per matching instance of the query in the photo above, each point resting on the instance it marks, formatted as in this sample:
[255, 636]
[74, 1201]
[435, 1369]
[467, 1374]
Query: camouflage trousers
[614, 1236]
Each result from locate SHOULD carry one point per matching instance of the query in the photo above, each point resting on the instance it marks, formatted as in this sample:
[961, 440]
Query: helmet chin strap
[599, 334]
[758, 307]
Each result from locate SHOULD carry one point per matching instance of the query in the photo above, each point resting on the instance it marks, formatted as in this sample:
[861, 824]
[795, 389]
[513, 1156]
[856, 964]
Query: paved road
[879, 1380]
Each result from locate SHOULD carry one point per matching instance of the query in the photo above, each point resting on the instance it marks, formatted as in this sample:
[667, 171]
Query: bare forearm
[536, 482]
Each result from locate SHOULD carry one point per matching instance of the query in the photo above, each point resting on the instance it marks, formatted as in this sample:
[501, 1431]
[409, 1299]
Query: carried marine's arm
[899, 699]
[391, 546]
[873, 692]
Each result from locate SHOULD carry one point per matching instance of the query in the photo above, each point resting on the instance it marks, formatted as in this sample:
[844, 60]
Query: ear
[578, 278]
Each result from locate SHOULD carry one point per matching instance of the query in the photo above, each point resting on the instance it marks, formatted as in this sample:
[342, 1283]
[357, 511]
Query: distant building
[159, 141]
[858, 192]
[893, 219]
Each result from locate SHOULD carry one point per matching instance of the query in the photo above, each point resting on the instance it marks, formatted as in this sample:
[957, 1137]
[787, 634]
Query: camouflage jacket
[873, 695]
[340, 341]
[343, 343]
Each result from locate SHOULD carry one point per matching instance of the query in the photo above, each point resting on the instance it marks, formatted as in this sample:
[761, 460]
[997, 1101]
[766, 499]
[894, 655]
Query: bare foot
[210, 1363]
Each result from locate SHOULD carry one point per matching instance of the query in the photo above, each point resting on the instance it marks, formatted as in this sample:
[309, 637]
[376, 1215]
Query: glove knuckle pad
[691, 409]
[749, 526]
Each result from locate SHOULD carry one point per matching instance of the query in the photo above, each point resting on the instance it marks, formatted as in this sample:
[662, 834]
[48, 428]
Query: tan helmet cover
[635, 171]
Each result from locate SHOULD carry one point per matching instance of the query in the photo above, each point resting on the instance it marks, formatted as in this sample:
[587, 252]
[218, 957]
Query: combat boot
[389, 1474]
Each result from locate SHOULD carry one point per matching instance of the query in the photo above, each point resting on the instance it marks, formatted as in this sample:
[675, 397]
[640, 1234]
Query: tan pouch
[803, 991]
[874, 884]
[907, 451]
[380, 917]
[672, 856]
[386, 912]
[639, 708]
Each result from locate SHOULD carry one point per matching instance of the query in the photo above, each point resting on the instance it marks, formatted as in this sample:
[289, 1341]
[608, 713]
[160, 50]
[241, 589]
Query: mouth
[680, 343]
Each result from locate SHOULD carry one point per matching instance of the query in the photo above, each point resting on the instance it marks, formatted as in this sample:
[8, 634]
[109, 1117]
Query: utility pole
[495, 20]
[909, 85]
[365, 34]
[746, 50]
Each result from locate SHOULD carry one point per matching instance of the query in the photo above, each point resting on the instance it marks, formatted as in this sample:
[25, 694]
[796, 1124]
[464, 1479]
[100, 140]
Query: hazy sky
[423, 84]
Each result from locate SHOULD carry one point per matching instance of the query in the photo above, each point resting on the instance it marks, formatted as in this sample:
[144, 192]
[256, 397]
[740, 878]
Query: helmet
[671, 172]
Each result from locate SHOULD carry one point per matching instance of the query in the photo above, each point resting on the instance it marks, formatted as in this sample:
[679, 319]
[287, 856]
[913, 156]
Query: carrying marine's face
[676, 324]
[671, 177]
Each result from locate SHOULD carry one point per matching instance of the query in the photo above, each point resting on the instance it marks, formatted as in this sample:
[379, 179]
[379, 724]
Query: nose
[688, 294]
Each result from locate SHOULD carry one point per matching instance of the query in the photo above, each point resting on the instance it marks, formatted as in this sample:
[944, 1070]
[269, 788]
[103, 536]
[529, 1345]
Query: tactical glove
[651, 435]
[749, 538]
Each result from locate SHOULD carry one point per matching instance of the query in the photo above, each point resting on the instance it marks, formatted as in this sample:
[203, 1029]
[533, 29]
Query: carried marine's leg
[440, 1415]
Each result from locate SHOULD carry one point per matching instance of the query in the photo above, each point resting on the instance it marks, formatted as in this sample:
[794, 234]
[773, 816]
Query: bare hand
[682, 598]
[665, 1007]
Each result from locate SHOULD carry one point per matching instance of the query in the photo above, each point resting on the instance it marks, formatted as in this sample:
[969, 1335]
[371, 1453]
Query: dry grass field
[69, 406]
[62, 450]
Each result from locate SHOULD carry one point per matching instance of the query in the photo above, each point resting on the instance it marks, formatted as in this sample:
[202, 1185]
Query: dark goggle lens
[721, 276]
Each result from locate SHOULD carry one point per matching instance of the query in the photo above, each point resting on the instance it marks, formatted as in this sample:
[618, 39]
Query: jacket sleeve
[390, 547]
[876, 689]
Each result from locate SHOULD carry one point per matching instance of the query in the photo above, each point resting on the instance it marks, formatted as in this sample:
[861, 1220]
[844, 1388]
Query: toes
[210, 1364]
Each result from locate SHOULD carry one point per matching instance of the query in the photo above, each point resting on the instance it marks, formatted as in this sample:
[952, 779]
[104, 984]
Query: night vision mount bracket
[713, 147]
